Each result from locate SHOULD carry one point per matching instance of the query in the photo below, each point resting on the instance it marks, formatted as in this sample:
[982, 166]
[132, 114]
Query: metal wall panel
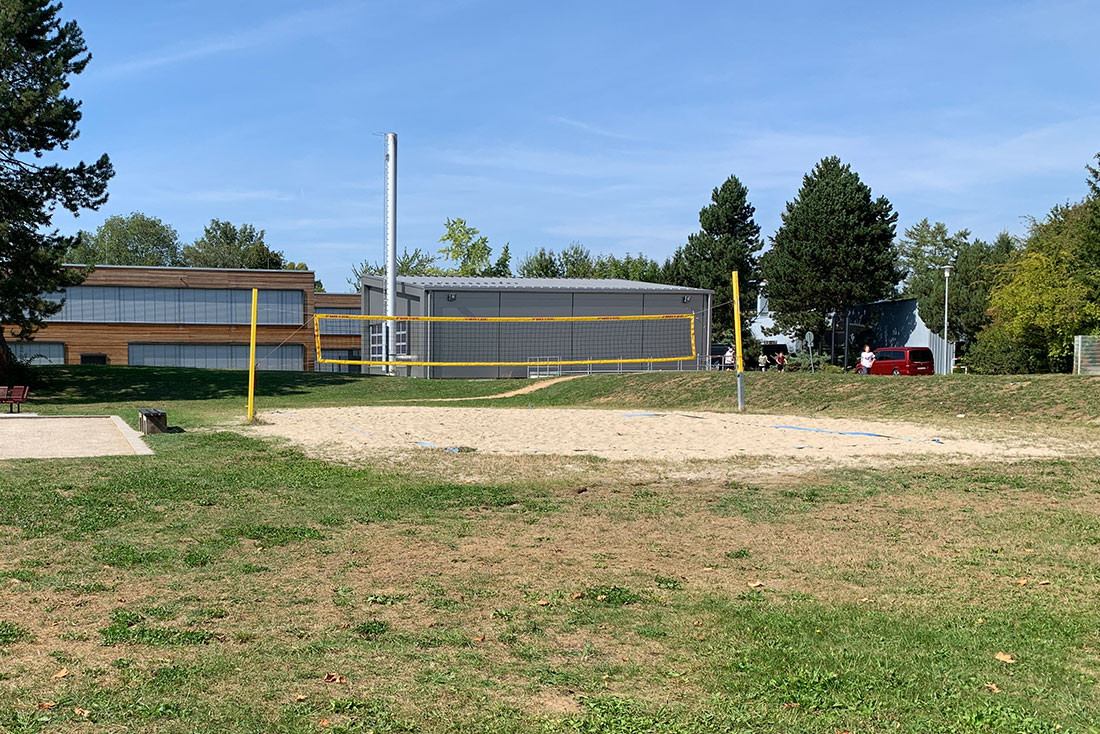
[472, 342]
[591, 341]
[531, 341]
[677, 339]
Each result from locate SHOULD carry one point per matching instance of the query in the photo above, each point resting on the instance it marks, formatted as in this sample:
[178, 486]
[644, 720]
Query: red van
[903, 361]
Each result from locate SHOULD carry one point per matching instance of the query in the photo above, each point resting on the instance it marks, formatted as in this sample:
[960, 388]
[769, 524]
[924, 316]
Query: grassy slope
[1035, 397]
[205, 587]
[203, 396]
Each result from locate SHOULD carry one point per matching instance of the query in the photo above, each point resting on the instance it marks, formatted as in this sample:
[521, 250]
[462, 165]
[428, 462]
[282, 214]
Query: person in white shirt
[729, 358]
[866, 359]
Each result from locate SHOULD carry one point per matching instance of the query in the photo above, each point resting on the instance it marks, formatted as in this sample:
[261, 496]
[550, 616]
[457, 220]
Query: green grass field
[232, 584]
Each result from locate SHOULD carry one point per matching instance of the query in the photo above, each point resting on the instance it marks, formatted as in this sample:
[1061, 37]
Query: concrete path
[53, 437]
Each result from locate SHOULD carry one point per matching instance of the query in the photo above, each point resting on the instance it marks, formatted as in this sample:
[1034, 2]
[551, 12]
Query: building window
[340, 326]
[93, 359]
[125, 304]
[39, 352]
[377, 348]
[340, 354]
[217, 356]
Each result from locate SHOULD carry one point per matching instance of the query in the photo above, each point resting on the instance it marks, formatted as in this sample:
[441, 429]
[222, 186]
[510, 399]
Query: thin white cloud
[296, 25]
[596, 130]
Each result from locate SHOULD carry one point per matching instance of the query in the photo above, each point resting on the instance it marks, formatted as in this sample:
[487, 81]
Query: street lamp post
[947, 270]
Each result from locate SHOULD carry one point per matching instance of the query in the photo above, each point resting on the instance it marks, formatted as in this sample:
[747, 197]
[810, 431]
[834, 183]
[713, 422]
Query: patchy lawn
[232, 584]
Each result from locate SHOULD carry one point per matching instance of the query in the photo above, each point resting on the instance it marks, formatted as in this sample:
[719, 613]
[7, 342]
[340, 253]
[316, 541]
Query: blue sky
[608, 123]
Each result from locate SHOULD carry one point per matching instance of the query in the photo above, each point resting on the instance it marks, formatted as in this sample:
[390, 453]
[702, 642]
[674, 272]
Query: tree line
[1017, 302]
[139, 239]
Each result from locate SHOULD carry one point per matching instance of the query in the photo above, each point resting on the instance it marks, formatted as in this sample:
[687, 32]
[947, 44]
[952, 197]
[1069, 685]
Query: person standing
[762, 361]
[866, 360]
[729, 359]
[780, 361]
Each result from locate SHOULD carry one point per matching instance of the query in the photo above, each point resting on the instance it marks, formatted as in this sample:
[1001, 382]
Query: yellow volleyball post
[737, 337]
[252, 358]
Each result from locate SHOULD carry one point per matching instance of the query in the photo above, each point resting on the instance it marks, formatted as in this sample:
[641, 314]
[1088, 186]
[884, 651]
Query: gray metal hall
[510, 297]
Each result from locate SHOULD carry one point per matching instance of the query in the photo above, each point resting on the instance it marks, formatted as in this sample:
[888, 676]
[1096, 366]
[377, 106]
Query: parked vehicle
[903, 361]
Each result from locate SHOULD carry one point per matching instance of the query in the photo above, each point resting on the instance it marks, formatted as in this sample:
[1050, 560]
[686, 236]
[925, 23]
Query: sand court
[54, 437]
[350, 433]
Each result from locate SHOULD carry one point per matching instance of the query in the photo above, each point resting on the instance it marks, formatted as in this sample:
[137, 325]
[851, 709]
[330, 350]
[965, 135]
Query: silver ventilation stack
[390, 339]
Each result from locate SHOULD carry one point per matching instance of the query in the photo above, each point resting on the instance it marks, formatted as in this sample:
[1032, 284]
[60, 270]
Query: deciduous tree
[925, 250]
[1050, 293]
[470, 251]
[542, 263]
[136, 239]
[225, 245]
[416, 262]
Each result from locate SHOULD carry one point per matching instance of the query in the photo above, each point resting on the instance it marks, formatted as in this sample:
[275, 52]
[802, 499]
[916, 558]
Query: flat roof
[185, 267]
[602, 285]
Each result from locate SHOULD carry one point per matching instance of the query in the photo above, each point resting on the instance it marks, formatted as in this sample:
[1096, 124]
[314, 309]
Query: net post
[252, 358]
[737, 337]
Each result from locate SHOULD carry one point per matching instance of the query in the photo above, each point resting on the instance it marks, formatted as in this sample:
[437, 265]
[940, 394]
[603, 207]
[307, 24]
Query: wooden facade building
[189, 317]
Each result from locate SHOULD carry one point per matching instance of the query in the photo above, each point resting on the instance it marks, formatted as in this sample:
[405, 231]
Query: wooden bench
[15, 398]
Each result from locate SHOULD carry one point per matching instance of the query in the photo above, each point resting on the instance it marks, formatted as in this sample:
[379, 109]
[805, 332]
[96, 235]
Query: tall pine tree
[38, 54]
[835, 249]
[728, 240]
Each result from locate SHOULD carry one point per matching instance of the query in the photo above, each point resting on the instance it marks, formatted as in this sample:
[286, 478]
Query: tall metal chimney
[390, 340]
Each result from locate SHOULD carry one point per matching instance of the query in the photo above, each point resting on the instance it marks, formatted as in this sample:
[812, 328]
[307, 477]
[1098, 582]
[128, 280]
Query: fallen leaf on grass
[1029, 550]
[791, 705]
[601, 597]
[756, 584]
[992, 688]
[543, 602]
[61, 673]
[324, 723]
[576, 595]
[300, 697]
[334, 678]
[46, 704]
[480, 639]
[1021, 582]
[1044, 582]
[81, 712]
[1004, 657]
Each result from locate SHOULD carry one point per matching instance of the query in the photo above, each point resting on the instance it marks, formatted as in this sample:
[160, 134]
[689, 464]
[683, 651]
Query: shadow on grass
[73, 384]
